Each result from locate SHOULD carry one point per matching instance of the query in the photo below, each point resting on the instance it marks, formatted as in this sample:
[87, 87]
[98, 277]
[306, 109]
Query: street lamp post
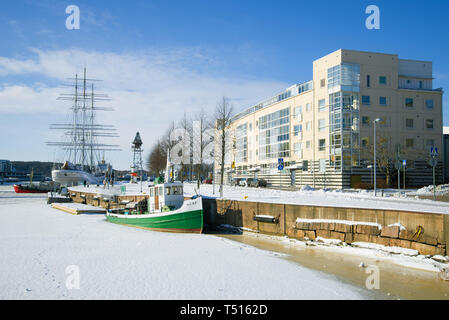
[375, 162]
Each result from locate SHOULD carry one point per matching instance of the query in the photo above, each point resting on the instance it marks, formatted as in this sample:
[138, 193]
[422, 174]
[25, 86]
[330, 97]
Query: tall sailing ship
[83, 150]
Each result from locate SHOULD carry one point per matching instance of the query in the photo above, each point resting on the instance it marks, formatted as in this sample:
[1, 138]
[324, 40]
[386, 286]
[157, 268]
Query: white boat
[74, 177]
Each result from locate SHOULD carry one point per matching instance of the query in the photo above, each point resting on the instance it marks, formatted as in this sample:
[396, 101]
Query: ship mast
[83, 133]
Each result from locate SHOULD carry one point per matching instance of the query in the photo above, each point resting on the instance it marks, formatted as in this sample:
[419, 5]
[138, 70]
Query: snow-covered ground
[43, 249]
[330, 198]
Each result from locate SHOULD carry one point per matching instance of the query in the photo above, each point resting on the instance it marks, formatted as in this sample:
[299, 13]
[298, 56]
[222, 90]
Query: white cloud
[148, 89]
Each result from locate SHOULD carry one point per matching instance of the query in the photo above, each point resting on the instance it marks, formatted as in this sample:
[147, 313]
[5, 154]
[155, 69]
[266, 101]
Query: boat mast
[75, 124]
[92, 131]
[83, 127]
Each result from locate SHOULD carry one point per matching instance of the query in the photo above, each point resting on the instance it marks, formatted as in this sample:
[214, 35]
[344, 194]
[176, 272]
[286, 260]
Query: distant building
[323, 128]
[6, 167]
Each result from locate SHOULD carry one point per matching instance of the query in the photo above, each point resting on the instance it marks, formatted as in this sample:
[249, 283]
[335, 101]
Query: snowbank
[330, 198]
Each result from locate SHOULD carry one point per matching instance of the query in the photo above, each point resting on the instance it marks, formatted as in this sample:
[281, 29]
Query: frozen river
[49, 254]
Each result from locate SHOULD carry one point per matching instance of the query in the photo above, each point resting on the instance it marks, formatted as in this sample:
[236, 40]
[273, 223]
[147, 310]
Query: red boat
[35, 188]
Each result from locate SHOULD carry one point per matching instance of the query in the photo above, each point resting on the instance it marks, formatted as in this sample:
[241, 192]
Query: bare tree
[166, 141]
[157, 159]
[186, 162]
[223, 118]
[386, 155]
[200, 135]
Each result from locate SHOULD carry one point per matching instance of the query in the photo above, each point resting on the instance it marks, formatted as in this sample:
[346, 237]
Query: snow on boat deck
[40, 248]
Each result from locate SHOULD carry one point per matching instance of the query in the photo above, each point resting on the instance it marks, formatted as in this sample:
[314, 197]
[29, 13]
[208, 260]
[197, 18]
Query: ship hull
[187, 219]
[21, 189]
[73, 177]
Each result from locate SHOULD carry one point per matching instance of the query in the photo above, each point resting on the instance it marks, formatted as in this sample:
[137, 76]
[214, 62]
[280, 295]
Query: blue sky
[156, 56]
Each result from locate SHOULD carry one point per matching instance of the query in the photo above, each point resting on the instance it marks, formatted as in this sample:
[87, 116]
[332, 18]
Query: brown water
[396, 282]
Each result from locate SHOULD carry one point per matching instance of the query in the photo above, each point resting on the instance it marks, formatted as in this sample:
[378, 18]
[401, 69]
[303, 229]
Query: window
[409, 143]
[250, 127]
[297, 111]
[308, 126]
[308, 144]
[308, 107]
[365, 100]
[297, 149]
[429, 124]
[344, 77]
[409, 123]
[365, 121]
[383, 101]
[323, 83]
[321, 105]
[430, 143]
[368, 84]
[274, 133]
[383, 80]
[409, 102]
[429, 104]
[321, 144]
[420, 84]
[365, 141]
[241, 143]
[297, 129]
[321, 125]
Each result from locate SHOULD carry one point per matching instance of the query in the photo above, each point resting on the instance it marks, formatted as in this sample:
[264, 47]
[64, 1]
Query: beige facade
[324, 131]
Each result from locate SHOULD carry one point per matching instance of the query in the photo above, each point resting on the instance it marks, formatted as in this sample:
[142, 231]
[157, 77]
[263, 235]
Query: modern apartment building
[323, 129]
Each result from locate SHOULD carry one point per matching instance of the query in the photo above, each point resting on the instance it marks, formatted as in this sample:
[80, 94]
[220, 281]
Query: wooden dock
[78, 208]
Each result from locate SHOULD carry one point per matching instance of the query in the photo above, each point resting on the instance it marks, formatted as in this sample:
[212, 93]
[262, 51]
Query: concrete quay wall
[425, 232]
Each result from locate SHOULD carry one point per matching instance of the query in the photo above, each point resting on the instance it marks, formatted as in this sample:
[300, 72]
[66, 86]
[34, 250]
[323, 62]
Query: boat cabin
[166, 196]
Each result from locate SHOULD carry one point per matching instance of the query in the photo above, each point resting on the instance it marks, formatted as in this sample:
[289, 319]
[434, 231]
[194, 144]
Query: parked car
[236, 181]
[207, 181]
[243, 182]
[256, 183]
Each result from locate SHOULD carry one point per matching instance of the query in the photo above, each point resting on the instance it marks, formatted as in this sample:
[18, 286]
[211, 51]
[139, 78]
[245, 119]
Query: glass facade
[241, 143]
[274, 135]
[344, 131]
[343, 77]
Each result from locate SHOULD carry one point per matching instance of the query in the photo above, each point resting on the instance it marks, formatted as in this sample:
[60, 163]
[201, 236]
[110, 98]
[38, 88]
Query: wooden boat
[164, 210]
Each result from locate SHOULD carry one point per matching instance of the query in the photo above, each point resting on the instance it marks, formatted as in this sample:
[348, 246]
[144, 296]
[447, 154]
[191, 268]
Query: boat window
[168, 191]
[161, 191]
[151, 192]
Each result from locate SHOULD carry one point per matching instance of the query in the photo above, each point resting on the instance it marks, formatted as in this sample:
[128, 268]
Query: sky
[160, 60]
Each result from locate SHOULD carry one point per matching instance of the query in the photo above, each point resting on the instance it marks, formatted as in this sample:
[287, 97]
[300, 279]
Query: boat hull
[187, 219]
[73, 177]
[20, 189]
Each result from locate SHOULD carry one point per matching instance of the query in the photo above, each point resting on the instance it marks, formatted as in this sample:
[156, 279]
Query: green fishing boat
[164, 210]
